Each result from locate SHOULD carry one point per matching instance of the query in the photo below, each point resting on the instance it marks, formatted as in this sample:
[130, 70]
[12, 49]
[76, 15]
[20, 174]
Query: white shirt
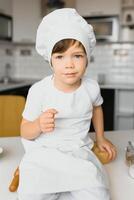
[74, 115]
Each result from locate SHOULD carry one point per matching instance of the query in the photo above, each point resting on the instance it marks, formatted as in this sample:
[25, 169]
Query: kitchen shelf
[131, 25]
[125, 114]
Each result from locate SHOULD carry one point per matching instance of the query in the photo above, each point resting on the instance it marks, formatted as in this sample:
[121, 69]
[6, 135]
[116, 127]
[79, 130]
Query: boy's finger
[49, 129]
[110, 154]
[114, 153]
[49, 120]
[52, 110]
[50, 126]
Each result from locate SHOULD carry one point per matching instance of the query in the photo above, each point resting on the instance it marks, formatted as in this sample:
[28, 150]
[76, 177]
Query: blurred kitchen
[112, 65]
[112, 62]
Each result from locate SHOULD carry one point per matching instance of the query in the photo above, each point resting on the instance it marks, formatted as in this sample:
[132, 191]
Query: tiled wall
[29, 64]
[24, 61]
[115, 61]
[6, 57]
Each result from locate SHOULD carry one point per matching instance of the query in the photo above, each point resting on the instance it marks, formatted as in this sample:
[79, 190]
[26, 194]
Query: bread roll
[102, 155]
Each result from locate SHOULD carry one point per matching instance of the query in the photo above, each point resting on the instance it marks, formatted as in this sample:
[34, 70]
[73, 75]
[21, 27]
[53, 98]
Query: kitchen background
[112, 62]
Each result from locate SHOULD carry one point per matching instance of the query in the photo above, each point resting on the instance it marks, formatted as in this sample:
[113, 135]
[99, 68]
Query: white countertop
[9, 160]
[122, 186]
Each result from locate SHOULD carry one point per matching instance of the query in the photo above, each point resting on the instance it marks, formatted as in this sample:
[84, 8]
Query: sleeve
[98, 100]
[95, 94]
[33, 106]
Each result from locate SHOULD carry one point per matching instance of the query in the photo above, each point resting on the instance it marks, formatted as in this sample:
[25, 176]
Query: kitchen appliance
[5, 27]
[106, 28]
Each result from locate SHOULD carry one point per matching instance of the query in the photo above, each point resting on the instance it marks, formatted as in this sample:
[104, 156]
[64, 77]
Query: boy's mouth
[70, 74]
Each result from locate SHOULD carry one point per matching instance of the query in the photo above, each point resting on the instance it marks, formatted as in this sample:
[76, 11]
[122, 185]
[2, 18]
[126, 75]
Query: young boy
[59, 162]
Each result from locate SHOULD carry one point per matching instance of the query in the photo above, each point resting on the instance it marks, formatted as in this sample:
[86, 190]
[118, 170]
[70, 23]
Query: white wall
[29, 66]
[115, 61]
[6, 7]
[26, 15]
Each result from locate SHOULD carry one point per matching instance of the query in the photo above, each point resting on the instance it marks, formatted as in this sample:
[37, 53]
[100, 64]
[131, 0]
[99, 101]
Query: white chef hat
[61, 24]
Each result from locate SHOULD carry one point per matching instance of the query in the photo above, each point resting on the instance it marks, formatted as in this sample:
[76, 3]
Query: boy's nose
[69, 63]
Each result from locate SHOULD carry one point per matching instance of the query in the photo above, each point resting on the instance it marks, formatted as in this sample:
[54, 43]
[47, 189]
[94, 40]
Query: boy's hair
[63, 45]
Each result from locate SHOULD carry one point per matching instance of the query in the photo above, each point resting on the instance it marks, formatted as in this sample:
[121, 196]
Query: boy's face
[69, 66]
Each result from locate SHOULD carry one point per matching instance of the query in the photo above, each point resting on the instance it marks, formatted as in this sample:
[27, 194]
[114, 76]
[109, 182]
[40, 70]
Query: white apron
[58, 162]
[47, 170]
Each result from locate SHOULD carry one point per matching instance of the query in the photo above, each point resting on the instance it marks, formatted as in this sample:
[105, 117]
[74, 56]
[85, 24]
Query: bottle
[130, 158]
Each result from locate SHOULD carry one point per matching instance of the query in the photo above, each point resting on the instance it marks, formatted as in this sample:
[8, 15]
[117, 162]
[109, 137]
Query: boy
[59, 163]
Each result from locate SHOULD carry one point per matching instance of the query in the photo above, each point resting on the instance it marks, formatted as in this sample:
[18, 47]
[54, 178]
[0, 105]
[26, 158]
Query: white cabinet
[124, 109]
[6, 7]
[26, 17]
[127, 20]
[98, 7]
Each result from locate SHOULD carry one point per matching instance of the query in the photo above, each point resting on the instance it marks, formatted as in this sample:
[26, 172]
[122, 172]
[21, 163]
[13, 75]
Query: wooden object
[15, 182]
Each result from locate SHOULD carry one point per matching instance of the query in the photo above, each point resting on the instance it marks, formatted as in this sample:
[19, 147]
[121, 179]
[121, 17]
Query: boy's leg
[38, 196]
[86, 194]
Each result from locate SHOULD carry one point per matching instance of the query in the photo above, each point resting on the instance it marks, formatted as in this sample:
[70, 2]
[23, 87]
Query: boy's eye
[78, 55]
[59, 57]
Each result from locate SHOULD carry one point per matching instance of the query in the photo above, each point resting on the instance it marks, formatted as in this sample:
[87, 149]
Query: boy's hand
[105, 145]
[47, 121]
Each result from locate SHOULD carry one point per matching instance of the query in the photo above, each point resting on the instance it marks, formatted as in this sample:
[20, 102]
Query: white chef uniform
[62, 160]
[60, 165]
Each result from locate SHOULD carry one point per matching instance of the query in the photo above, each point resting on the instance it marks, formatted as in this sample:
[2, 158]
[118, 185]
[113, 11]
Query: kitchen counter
[122, 186]
[25, 82]
[117, 86]
[22, 83]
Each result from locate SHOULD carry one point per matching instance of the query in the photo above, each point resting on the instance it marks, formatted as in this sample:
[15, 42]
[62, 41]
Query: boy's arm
[98, 121]
[102, 142]
[44, 123]
[30, 130]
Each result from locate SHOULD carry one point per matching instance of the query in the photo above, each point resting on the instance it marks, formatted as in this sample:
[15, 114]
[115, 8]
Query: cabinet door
[26, 17]
[124, 115]
[97, 7]
[6, 7]
[125, 122]
[108, 108]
